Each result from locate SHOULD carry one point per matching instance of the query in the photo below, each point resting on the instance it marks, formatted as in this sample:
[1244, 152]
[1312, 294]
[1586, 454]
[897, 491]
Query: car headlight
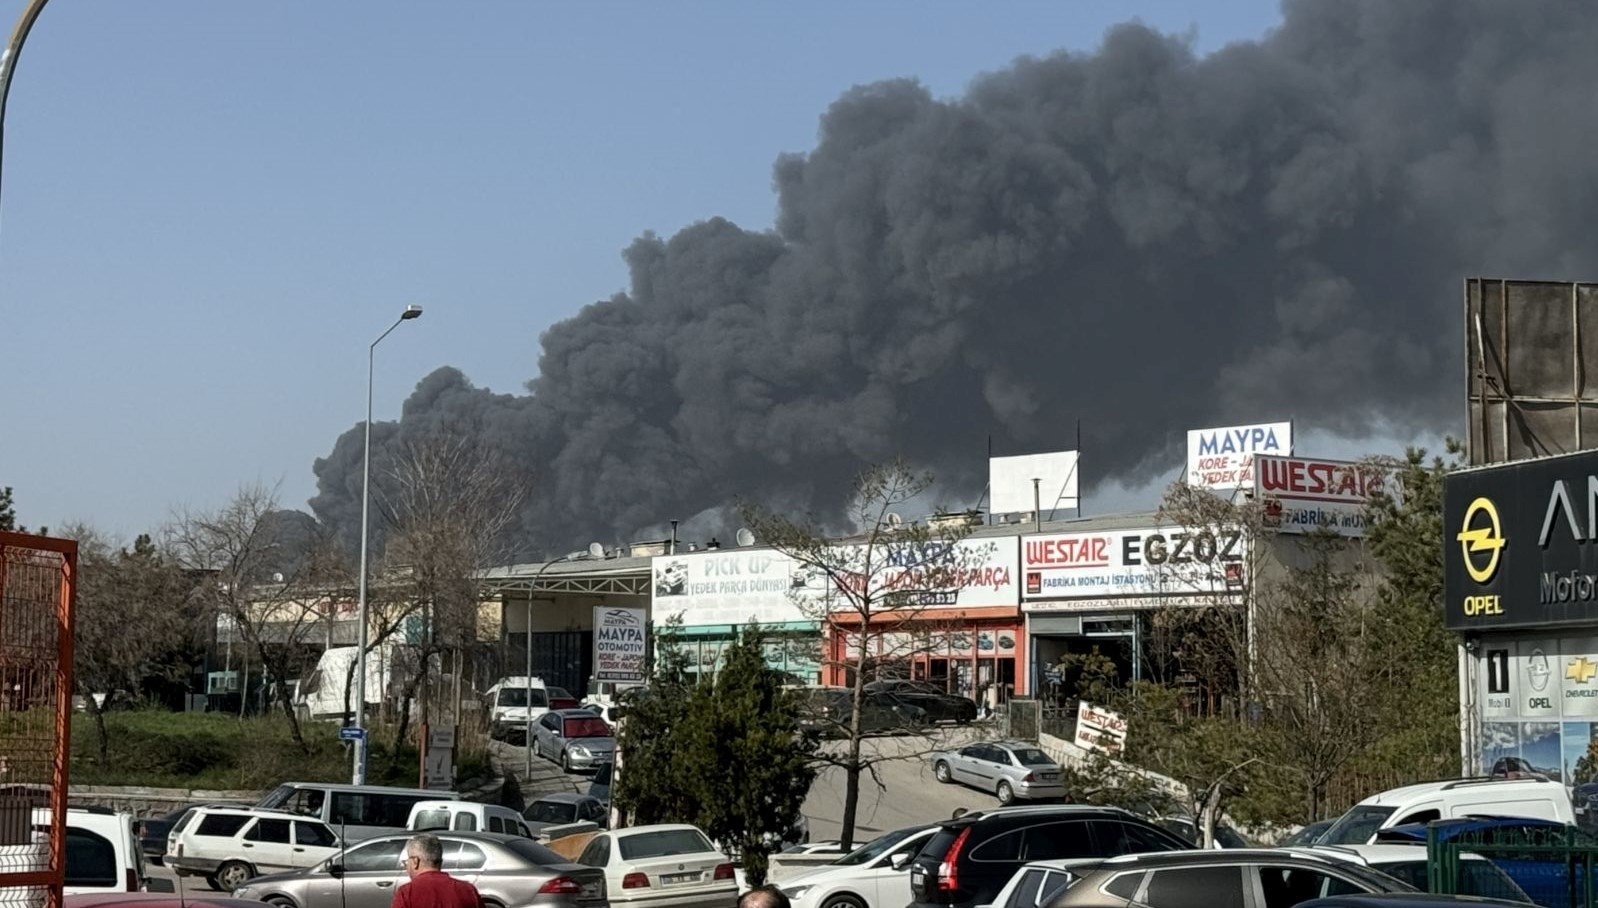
[244, 892]
[580, 751]
[794, 892]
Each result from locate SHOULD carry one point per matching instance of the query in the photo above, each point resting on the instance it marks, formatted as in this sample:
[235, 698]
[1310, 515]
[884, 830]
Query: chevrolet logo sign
[1580, 670]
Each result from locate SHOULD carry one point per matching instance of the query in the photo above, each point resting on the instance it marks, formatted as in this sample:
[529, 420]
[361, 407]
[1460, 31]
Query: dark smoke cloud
[1140, 238]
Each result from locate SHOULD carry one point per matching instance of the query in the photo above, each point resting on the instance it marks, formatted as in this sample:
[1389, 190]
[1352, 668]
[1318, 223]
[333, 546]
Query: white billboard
[1154, 562]
[727, 586]
[1223, 458]
[619, 643]
[1301, 495]
[1011, 482]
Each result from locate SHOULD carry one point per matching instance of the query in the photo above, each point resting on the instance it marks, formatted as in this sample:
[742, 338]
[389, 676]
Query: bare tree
[134, 607]
[271, 577]
[450, 504]
[871, 589]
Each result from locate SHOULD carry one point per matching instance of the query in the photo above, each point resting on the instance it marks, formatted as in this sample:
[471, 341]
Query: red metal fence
[38, 582]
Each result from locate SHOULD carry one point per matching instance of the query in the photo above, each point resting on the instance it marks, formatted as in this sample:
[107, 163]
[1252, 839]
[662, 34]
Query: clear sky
[210, 208]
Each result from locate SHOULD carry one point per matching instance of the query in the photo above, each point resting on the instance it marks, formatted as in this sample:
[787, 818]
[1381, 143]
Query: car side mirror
[335, 867]
[899, 861]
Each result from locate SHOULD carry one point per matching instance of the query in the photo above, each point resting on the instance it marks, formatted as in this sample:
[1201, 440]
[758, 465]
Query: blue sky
[210, 209]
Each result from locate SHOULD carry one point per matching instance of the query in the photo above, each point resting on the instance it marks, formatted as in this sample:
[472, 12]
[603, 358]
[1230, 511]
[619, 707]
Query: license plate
[1051, 777]
[670, 878]
[590, 891]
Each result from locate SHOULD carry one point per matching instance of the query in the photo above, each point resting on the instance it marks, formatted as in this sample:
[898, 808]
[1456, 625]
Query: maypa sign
[968, 573]
[1099, 729]
[1223, 459]
[1300, 495]
[618, 643]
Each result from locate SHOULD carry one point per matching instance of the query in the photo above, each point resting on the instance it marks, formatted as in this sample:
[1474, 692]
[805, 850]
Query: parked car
[604, 696]
[507, 871]
[564, 808]
[466, 816]
[154, 831]
[150, 900]
[1009, 770]
[875, 875]
[1407, 900]
[510, 701]
[1225, 835]
[1544, 877]
[1221, 879]
[1584, 800]
[1536, 798]
[575, 738]
[355, 812]
[102, 853]
[560, 698]
[666, 865]
[1477, 875]
[599, 785]
[1037, 883]
[940, 705]
[1309, 834]
[228, 845]
[828, 711]
[968, 860]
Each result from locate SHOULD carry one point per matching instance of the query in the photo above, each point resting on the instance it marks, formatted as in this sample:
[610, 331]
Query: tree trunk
[851, 769]
[267, 668]
[404, 726]
[104, 743]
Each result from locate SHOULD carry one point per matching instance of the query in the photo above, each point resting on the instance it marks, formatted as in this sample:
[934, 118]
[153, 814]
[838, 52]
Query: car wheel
[940, 769]
[1005, 793]
[565, 762]
[844, 901]
[281, 901]
[231, 876]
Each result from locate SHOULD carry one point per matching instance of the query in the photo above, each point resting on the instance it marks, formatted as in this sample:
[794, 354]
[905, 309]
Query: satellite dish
[596, 549]
[894, 520]
[745, 538]
[277, 578]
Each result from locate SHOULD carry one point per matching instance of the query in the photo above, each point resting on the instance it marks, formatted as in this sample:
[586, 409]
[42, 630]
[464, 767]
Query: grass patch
[215, 750]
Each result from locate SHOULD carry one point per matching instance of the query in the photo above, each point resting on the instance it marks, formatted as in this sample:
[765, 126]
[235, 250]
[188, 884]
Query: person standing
[430, 886]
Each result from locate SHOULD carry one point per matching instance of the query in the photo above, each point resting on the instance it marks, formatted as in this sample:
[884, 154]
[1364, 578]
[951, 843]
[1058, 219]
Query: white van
[1540, 799]
[354, 812]
[102, 853]
[510, 701]
[466, 816]
[320, 694]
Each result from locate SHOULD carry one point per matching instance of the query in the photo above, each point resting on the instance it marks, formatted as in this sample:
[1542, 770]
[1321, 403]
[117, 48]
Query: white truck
[321, 691]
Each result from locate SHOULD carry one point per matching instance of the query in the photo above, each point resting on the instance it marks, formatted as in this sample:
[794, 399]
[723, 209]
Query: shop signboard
[964, 574]
[1099, 729]
[729, 586]
[1163, 562]
[1303, 495]
[1521, 545]
[619, 635]
[1222, 459]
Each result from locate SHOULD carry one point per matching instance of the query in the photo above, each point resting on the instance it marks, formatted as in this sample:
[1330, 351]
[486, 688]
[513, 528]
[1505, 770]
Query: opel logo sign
[1481, 540]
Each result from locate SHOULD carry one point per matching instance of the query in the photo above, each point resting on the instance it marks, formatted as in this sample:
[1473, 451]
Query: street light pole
[528, 677]
[358, 775]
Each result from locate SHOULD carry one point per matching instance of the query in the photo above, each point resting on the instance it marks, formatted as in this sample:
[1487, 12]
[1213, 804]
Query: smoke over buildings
[1140, 238]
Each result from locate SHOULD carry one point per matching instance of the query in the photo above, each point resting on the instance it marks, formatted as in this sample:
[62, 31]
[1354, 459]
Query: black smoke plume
[1141, 238]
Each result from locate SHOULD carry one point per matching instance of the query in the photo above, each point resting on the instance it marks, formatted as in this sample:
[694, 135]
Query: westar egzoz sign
[1520, 544]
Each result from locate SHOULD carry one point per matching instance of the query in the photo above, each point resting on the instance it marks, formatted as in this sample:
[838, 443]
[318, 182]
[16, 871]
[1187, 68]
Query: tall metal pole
[358, 773]
[8, 60]
[528, 678]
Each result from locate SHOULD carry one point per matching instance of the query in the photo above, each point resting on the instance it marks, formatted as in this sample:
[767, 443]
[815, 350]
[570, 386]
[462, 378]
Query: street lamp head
[411, 311]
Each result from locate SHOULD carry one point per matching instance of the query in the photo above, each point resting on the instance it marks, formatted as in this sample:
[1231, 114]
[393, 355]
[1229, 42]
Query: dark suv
[940, 706]
[968, 860]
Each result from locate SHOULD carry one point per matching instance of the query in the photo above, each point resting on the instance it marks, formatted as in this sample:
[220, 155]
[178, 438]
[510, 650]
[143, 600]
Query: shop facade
[960, 628]
[1521, 590]
[711, 595]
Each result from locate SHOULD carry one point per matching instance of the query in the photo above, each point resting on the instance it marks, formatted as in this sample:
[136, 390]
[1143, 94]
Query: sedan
[1010, 771]
[666, 866]
[507, 870]
[563, 808]
[574, 738]
[1221, 879]
[941, 706]
[875, 875]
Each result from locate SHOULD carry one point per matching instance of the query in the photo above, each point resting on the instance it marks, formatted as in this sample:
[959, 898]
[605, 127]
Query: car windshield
[1356, 827]
[875, 848]
[552, 812]
[1031, 756]
[518, 696]
[557, 693]
[585, 728]
[663, 842]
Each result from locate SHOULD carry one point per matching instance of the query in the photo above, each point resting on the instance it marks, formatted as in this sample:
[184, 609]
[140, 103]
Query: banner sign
[1300, 495]
[970, 573]
[1520, 544]
[1223, 459]
[619, 643]
[1156, 562]
[1099, 729]
[728, 586]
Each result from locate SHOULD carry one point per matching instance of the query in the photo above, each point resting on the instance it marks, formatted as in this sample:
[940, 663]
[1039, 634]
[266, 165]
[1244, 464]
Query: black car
[968, 860]
[940, 705]
[1242, 878]
[827, 712]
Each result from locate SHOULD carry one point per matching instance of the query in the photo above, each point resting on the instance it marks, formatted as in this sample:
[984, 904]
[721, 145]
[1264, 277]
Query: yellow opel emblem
[1479, 536]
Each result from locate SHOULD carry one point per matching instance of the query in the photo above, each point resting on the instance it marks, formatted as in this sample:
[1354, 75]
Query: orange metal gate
[38, 583]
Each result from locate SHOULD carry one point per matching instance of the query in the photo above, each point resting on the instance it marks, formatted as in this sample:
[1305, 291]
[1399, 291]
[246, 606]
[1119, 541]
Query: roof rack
[1489, 780]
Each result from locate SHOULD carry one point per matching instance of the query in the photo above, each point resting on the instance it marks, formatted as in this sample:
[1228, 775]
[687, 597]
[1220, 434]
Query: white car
[1477, 875]
[103, 854]
[875, 875]
[513, 704]
[1036, 884]
[228, 845]
[668, 866]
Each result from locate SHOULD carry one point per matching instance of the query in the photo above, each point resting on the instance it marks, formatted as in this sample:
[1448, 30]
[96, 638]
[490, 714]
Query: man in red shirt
[430, 886]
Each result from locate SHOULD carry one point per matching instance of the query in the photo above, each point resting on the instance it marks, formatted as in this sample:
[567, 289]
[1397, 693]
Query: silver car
[507, 870]
[1011, 771]
[563, 808]
[575, 738]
